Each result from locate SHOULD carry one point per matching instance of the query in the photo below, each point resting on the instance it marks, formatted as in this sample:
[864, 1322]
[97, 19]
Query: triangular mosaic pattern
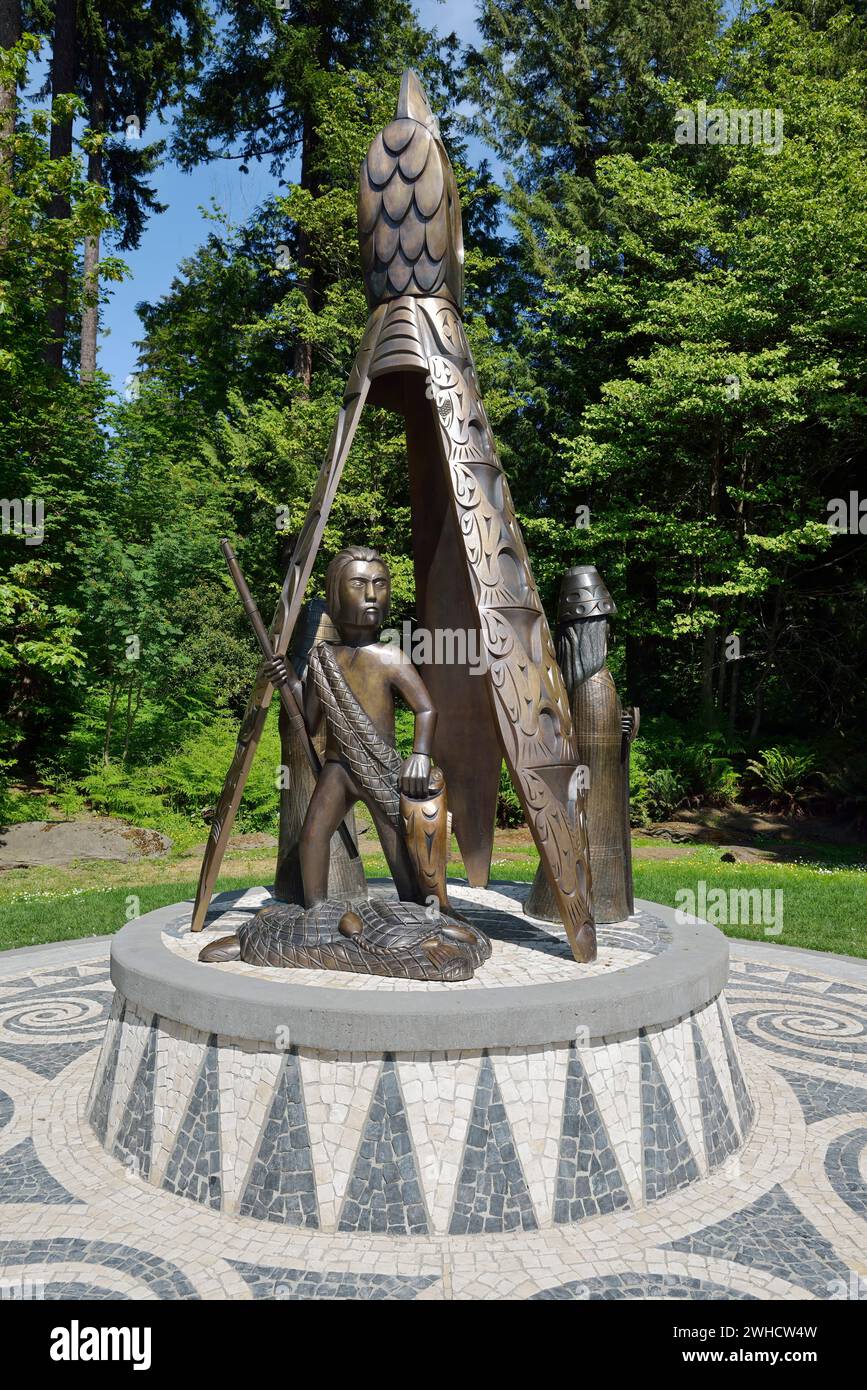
[337, 1094]
[491, 1193]
[668, 1159]
[46, 1062]
[384, 1194]
[720, 1136]
[614, 1071]
[104, 1080]
[743, 1100]
[820, 1098]
[132, 1143]
[589, 1181]
[194, 1167]
[438, 1095]
[133, 1035]
[774, 1235]
[532, 1084]
[24, 1178]
[270, 1282]
[281, 1186]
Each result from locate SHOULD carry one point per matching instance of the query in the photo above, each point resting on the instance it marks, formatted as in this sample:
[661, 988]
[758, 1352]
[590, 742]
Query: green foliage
[125, 660]
[788, 778]
[184, 788]
[671, 768]
[510, 812]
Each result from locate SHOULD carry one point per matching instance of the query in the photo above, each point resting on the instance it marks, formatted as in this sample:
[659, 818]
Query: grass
[823, 908]
[824, 901]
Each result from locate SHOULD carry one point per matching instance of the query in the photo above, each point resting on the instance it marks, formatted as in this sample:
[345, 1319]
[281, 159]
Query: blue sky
[177, 232]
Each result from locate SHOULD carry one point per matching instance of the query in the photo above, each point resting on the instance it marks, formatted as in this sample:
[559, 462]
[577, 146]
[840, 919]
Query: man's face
[364, 592]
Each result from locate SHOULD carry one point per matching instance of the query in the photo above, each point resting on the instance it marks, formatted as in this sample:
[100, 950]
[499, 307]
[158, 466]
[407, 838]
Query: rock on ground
[60, 842]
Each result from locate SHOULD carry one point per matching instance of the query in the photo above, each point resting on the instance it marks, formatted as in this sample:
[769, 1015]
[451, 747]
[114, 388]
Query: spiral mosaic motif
[62, 1014]
[77, 1223]
[824, 1029]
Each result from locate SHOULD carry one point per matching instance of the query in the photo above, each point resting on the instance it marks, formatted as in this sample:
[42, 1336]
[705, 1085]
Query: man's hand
[415, 776]
[279, 672]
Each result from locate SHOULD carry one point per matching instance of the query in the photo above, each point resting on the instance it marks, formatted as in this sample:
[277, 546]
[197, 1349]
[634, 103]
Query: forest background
[670, 339]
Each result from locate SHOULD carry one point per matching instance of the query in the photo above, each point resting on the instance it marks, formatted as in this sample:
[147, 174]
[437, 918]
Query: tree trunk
[10, 33]
[62, 83]
[302, 364]
[722, 672]
[346, 876]
[769, 661]
[734, 686]
[708, 648]
[709, 645]
[112, 705]
[642, 653]
[90, 316]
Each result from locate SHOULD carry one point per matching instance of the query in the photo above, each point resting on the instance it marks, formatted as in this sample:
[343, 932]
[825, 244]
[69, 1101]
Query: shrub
[510, 812]
[788, 779]
[671, 768]
[188, 783]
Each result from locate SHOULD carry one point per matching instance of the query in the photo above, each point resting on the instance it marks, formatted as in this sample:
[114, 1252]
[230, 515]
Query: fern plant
[786, 778]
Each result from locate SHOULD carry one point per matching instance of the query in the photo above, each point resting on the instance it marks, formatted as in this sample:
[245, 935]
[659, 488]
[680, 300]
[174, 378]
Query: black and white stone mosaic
[194, 1167]
[25, 1178]
[821, 1098]
[450, 1190]
[589, 1180]
[384, 1192]
[639, 1286]
[132, 1144]
[161, 1278]
[720, 1136]
[281, 1185]
[668, 1159]
[270, 1282]
[773, 1234]
[743, 1100]
[492, 1193]
[845, 1168]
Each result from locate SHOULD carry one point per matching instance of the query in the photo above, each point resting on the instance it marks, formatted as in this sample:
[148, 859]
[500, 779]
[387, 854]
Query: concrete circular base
[538, 1093]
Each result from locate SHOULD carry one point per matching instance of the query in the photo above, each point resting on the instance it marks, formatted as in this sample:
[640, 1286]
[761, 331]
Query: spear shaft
[287, 695]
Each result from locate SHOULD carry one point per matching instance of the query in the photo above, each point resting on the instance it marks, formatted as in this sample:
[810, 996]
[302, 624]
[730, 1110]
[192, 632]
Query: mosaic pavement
[785, 1217]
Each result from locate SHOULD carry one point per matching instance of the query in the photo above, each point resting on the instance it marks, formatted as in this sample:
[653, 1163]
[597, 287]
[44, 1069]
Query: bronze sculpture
[604, 732]
[471, 566]
[350, 687]
[346, 873]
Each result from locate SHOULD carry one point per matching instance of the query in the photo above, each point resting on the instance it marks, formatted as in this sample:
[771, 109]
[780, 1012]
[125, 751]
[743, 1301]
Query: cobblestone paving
[783, 1218]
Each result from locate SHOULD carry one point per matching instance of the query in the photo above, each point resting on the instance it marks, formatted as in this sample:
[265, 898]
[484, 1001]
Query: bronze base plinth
[374, 937]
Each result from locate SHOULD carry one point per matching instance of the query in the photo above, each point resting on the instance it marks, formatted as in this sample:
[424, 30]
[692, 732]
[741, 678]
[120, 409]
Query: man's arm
[280, 672]
[415, 773]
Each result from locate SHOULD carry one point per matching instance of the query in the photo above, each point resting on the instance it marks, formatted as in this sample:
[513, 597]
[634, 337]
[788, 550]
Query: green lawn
[824, 908]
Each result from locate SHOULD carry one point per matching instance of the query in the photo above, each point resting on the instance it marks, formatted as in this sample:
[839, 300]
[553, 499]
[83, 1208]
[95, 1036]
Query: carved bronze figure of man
[604, 732]
[351, 685]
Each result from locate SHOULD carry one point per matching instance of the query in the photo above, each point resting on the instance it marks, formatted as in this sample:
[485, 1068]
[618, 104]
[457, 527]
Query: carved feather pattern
[409, 222]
